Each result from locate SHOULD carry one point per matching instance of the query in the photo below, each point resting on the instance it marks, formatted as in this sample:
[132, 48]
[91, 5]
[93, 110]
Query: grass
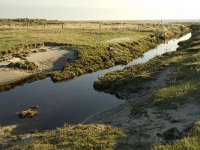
[186, 83]
[26, 65]
[132, 77]
[96, 59]
[77, 137]
[116, 53]
[95, 50]
[28, 113]
[10, 38]
[183, 86]
[97, 45]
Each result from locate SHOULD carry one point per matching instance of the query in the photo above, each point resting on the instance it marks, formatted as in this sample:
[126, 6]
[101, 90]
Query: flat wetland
[126, 81]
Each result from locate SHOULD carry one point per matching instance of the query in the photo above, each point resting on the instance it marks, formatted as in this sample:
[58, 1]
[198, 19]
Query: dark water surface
[67, 102]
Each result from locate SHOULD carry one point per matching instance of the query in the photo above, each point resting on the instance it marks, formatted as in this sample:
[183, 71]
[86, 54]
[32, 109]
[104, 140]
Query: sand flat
[53, 58]
[9, 75]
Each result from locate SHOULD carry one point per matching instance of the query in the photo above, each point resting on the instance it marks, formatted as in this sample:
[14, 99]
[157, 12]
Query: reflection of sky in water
[66, 102]
[159, 50]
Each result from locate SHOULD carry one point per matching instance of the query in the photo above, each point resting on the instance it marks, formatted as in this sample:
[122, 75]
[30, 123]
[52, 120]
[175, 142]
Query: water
[67, 102]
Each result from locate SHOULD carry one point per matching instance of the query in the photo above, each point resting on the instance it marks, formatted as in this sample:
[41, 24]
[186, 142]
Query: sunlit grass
[14, 37]
[77, 137]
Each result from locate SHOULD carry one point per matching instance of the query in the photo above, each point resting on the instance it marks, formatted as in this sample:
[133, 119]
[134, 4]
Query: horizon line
[198, 20]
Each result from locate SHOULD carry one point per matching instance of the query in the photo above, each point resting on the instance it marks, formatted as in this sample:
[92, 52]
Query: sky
[101, 9]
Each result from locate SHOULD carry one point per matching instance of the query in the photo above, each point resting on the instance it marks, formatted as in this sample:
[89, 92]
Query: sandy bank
[47, 59]
[53, 59]
[9, 75]
[150, 124]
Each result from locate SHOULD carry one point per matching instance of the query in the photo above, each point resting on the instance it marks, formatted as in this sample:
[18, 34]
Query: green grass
[12, 37]
[91, 46]
[77, 137]
[92, 59]
[182, 88]
[98, 45]
[26, 66]
[131, 77]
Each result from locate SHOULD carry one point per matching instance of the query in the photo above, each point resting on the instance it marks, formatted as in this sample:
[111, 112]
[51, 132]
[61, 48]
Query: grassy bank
[98, 45]
[185, 60]
[122, 52]
[77, 137]
[181, 89]
[131, 78]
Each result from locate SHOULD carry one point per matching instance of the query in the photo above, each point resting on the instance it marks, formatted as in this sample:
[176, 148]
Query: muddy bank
[9, 75]
[23, 80]
[146, 125]
[129, 78]
[118, 53]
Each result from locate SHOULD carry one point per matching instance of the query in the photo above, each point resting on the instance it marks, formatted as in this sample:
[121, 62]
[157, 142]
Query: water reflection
[66, 102]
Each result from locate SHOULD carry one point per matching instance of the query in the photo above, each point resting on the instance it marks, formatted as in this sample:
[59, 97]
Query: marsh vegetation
[100, 45]
[173, 106]
[97, 45]
[68, 138]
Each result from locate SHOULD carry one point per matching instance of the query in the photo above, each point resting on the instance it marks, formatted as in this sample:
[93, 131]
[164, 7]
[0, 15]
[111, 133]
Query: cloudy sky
[100, 9]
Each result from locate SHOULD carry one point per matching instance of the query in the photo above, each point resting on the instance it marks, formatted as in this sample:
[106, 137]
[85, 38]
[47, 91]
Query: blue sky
[101, 9]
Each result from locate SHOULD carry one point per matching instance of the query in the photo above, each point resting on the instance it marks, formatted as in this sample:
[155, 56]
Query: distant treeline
[21, 21]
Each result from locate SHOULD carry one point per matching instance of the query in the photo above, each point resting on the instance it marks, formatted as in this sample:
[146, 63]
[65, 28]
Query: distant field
[12, 37]
[22, 31]
[98, 45]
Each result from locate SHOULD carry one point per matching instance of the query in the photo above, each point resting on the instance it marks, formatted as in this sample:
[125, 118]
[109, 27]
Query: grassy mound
[76, 137]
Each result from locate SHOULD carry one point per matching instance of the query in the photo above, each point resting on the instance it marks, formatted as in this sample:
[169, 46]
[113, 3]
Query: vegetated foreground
[76, 137]
[162, 97]
[89, 46]
[94, 57]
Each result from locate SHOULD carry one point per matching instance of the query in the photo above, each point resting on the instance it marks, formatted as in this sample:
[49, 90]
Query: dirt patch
[53, 59]
[47, 59]
[117, 40]
[9, 75]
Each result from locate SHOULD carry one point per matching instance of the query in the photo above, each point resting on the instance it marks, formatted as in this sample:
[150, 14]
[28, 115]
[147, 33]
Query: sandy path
[117, 40]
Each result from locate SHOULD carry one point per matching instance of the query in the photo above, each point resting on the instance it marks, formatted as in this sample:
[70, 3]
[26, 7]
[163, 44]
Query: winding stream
[67, 102]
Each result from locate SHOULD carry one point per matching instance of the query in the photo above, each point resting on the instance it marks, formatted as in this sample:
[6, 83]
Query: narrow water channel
[67, 102]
